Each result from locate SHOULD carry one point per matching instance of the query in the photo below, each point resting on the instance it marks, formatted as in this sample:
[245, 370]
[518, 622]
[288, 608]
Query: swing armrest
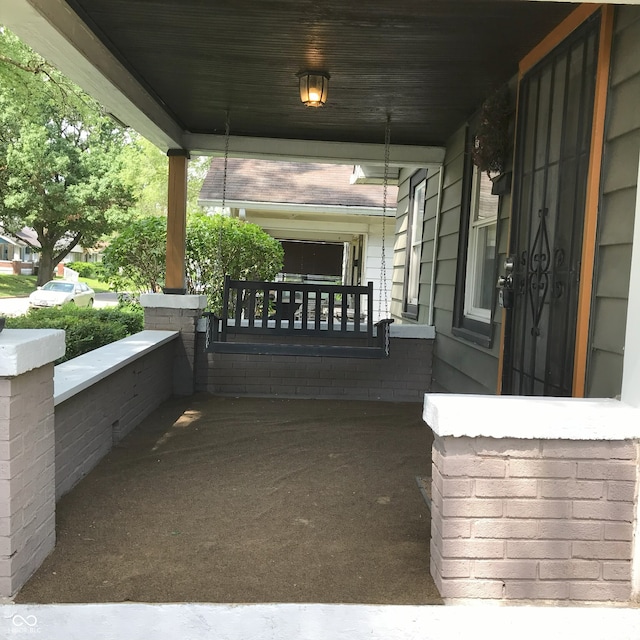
[384, 335]
[213, 327]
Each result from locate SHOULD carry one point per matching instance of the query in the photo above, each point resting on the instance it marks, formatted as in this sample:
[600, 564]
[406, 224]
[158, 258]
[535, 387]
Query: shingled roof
[291, 183]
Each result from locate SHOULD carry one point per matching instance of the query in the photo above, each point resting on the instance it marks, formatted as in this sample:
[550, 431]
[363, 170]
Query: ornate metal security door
[554, 136]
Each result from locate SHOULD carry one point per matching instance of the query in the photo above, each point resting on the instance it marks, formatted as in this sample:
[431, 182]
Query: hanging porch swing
[302, 319]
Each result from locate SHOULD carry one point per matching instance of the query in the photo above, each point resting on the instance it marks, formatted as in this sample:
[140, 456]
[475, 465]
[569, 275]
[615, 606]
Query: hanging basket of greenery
[491, 142]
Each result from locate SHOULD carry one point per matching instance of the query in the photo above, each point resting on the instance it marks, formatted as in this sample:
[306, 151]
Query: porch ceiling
[428, 63]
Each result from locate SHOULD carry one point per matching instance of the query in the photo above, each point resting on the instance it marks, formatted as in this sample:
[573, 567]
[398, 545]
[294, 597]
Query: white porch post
[631, 373]
[631, 366]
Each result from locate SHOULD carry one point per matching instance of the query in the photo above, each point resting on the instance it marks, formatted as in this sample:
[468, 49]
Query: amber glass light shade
[314, 87]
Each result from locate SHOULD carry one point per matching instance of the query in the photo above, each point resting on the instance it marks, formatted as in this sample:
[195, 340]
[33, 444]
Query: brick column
[177, 313]
[533, 499]
[27, 452]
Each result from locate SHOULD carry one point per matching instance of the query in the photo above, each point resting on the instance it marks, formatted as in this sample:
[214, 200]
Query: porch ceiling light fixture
[314, 87]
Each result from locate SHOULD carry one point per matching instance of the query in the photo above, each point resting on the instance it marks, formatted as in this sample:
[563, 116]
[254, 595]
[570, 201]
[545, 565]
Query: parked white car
[58, 292]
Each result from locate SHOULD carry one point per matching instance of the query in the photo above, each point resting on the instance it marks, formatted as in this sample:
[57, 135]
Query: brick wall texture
[27, 499]
[405, 376]
[184, 321]
[88, 424]
[533, 519]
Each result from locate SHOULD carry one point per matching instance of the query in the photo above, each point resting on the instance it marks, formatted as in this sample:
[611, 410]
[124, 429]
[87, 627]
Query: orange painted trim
[592, 203]
[555, 37]
[176, 222]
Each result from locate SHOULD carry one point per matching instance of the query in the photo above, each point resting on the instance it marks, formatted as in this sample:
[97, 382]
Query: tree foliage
[60, 159]
[145, 169]
[215, 246]
[136, 257]
[219, 246]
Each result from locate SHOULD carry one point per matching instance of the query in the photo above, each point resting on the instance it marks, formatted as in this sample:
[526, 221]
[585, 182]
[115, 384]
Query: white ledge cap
[80, 373]
[172, 301]
[421, 331]
[22, 350]
[531, 417]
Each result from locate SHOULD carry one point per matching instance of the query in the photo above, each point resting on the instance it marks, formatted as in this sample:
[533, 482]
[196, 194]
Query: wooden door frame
[538, 53]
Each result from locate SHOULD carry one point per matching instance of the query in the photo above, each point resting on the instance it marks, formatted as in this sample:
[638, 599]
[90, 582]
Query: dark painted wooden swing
[294, 319]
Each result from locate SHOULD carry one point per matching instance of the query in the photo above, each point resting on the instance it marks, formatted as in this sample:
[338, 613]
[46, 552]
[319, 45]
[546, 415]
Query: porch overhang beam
[282, 225]
[64, 40]
[410, 156]
[300, 210]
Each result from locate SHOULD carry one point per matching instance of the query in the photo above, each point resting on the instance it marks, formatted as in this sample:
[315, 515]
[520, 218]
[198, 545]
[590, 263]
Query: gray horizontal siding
[400, 244]
[617, 209]
[460, 366]
[400, 248]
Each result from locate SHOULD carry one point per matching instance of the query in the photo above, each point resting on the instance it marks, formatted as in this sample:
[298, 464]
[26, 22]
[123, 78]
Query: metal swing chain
[384, 302]
[227, 131]
[227, 135]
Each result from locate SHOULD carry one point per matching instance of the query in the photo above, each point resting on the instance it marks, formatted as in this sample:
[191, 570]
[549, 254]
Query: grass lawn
[96, 285]
[15, 286]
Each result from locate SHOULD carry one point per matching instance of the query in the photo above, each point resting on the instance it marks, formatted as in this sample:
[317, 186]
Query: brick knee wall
[405, 376]
[533, 519]
[89, 423]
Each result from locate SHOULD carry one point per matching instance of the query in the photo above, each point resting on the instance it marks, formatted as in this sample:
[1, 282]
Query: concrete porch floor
[227, 500]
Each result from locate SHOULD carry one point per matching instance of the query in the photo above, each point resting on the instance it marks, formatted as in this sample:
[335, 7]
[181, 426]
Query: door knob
[505, 295]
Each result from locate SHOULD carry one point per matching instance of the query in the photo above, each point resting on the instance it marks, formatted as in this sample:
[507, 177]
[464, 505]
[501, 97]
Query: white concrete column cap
[171, 301]
[419, 331]
[22, 350]
[529, 417]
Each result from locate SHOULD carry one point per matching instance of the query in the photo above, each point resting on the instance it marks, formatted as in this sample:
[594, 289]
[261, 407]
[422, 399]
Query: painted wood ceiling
[429, 63]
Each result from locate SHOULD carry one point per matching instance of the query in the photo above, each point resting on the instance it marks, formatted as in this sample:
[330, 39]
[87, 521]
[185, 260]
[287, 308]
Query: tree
[146, 168]
[136, 257]
[216, 245]
[60, 159]
[219, 246]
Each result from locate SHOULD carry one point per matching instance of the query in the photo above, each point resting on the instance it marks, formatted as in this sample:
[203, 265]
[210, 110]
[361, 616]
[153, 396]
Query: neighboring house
[16, 256]
[80, 254]
[330, 228]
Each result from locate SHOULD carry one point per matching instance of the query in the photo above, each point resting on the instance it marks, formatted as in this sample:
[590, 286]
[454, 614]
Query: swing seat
[293, 319]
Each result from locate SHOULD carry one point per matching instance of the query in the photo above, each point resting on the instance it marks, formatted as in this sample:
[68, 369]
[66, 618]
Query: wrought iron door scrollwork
[538, 271]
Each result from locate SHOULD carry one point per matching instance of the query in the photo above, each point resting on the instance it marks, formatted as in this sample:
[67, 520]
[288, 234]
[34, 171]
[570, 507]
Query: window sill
[484, 340]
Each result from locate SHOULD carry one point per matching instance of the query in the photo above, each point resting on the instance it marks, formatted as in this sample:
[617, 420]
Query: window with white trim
[417, 193]
[481, 251]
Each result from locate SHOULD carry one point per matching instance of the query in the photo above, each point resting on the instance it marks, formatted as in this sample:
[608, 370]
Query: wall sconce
[314, 87]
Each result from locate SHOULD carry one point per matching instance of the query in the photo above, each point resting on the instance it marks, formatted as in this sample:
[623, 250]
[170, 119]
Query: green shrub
[130, 315]
[93, 270]
[85, 269]
[85, 329]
